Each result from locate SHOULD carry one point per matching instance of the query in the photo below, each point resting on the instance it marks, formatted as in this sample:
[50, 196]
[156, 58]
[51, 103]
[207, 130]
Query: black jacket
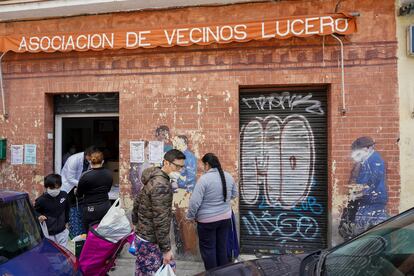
[94, 186]
[55, 209]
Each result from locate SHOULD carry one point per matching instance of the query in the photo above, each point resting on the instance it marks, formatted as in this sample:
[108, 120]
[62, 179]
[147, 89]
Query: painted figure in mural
[368, 196]
[152, 215]
[136, 169]
[93, 188]
[210, 207]
[71, 173]
[187, 178]
[162, 133]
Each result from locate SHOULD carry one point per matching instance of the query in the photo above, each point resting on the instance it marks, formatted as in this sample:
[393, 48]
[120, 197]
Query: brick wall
[194, 90]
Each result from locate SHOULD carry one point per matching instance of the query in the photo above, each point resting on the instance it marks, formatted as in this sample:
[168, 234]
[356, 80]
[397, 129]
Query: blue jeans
[212, 238]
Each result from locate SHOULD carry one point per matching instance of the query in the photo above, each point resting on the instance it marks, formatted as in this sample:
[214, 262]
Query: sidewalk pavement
[125, 266]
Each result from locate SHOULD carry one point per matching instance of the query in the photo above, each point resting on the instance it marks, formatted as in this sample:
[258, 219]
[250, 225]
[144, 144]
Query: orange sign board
[299, 26]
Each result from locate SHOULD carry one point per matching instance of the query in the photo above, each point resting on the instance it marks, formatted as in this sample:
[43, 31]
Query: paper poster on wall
[16, 154]
[136, 151]
[30, 154]
[156, 151]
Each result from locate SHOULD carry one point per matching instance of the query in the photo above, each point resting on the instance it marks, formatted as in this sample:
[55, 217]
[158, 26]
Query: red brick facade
[195, 90]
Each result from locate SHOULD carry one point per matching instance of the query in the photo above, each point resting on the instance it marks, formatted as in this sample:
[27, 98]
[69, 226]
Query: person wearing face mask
[71, 172]
[93, 188]
[152, 214]
[210, 207]
[53, 208]
[368, 195]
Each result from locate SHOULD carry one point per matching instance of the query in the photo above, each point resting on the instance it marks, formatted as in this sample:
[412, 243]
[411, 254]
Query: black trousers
[212, 239]
[93, 213]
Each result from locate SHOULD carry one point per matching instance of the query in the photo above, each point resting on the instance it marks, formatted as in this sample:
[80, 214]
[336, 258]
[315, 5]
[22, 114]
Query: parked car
[386, 249]
[23, 248]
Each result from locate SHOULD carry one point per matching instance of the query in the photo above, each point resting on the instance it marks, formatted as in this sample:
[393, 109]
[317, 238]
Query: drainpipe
[343, 109]
[5, 115]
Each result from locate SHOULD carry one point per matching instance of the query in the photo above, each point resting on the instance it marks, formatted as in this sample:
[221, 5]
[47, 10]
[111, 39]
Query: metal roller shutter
[283, 170]
[86, 103]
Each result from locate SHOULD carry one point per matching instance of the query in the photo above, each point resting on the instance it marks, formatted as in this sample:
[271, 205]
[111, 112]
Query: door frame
[58, 132]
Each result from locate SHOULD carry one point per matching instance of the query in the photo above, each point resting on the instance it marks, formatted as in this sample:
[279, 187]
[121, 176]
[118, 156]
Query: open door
[75, 132]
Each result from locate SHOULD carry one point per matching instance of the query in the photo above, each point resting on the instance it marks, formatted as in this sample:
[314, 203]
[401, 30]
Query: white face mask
[53, 192]
[174, 176]
[360, 155]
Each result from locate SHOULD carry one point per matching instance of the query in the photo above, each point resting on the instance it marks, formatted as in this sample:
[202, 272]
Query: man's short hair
[174, 154]
[53, 180]
[91, 149]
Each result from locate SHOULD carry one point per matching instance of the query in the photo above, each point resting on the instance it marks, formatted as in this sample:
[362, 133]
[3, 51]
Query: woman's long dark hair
[214, 162]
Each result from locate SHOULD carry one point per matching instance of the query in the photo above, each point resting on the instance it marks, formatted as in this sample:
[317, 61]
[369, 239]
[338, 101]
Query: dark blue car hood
[277, 265]
[44, 259]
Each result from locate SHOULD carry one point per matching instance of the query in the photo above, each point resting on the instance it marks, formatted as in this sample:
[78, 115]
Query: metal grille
[87, 103]
[283, 187]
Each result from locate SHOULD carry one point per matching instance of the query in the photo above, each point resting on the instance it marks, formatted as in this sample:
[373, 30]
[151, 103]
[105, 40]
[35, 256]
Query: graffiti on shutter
[283, 187]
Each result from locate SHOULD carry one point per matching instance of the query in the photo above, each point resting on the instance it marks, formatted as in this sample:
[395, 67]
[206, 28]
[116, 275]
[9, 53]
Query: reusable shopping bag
[44, 229]
[98, 254]
[165, 270]
[114, 225]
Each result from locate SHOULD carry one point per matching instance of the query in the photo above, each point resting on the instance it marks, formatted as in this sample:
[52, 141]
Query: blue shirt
[188, 179]
[372, 173]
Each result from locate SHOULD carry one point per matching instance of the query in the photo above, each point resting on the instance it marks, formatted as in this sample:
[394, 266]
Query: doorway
[75, 132]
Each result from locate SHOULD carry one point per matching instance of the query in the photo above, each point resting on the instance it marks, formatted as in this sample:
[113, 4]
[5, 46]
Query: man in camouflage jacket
[152, 212]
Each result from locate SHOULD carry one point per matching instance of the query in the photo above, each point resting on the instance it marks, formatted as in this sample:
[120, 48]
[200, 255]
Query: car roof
[7, 195]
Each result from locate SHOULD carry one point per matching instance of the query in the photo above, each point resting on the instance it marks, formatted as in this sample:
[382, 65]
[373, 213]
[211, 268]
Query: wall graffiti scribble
[283, 172]
[280, 143]
[284, 100]
[288, 227]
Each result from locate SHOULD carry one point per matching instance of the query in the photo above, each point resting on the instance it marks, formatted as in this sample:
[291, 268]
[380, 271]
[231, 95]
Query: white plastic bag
[165, 270]
[44, 229]
[114, 225]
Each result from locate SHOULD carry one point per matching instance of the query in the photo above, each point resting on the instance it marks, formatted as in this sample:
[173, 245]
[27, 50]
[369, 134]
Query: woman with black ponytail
[210, 207]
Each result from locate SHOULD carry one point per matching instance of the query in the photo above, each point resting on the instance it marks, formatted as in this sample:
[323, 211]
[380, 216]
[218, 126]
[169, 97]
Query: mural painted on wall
[188, 175]
[282, 203]
[184, 233]
[368, 197]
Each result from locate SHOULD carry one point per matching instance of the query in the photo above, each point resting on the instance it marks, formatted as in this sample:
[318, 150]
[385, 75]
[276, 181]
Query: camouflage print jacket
[152, 212]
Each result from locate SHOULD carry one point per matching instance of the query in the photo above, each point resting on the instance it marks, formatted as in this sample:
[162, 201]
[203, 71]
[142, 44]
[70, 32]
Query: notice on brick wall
[16, 154]
[136, 151]
[156, 152]
[30, 154]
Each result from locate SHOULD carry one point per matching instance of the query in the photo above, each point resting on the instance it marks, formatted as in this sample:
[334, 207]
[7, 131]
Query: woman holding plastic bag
[93, 188]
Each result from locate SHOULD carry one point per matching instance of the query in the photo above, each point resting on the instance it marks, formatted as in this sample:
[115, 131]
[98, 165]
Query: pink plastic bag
[98, 254]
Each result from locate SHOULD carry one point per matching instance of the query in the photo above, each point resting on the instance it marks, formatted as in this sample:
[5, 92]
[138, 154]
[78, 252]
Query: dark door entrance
[82, 120]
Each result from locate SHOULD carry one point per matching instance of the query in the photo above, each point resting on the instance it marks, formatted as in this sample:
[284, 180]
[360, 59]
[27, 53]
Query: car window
[384, 250]
[19, 230]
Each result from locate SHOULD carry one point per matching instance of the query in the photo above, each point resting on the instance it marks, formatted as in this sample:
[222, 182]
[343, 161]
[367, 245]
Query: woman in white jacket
[71, 173]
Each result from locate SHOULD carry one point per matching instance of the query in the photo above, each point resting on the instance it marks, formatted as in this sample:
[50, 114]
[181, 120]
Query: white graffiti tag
[277, 158]
[283, 101]
[287, 227]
